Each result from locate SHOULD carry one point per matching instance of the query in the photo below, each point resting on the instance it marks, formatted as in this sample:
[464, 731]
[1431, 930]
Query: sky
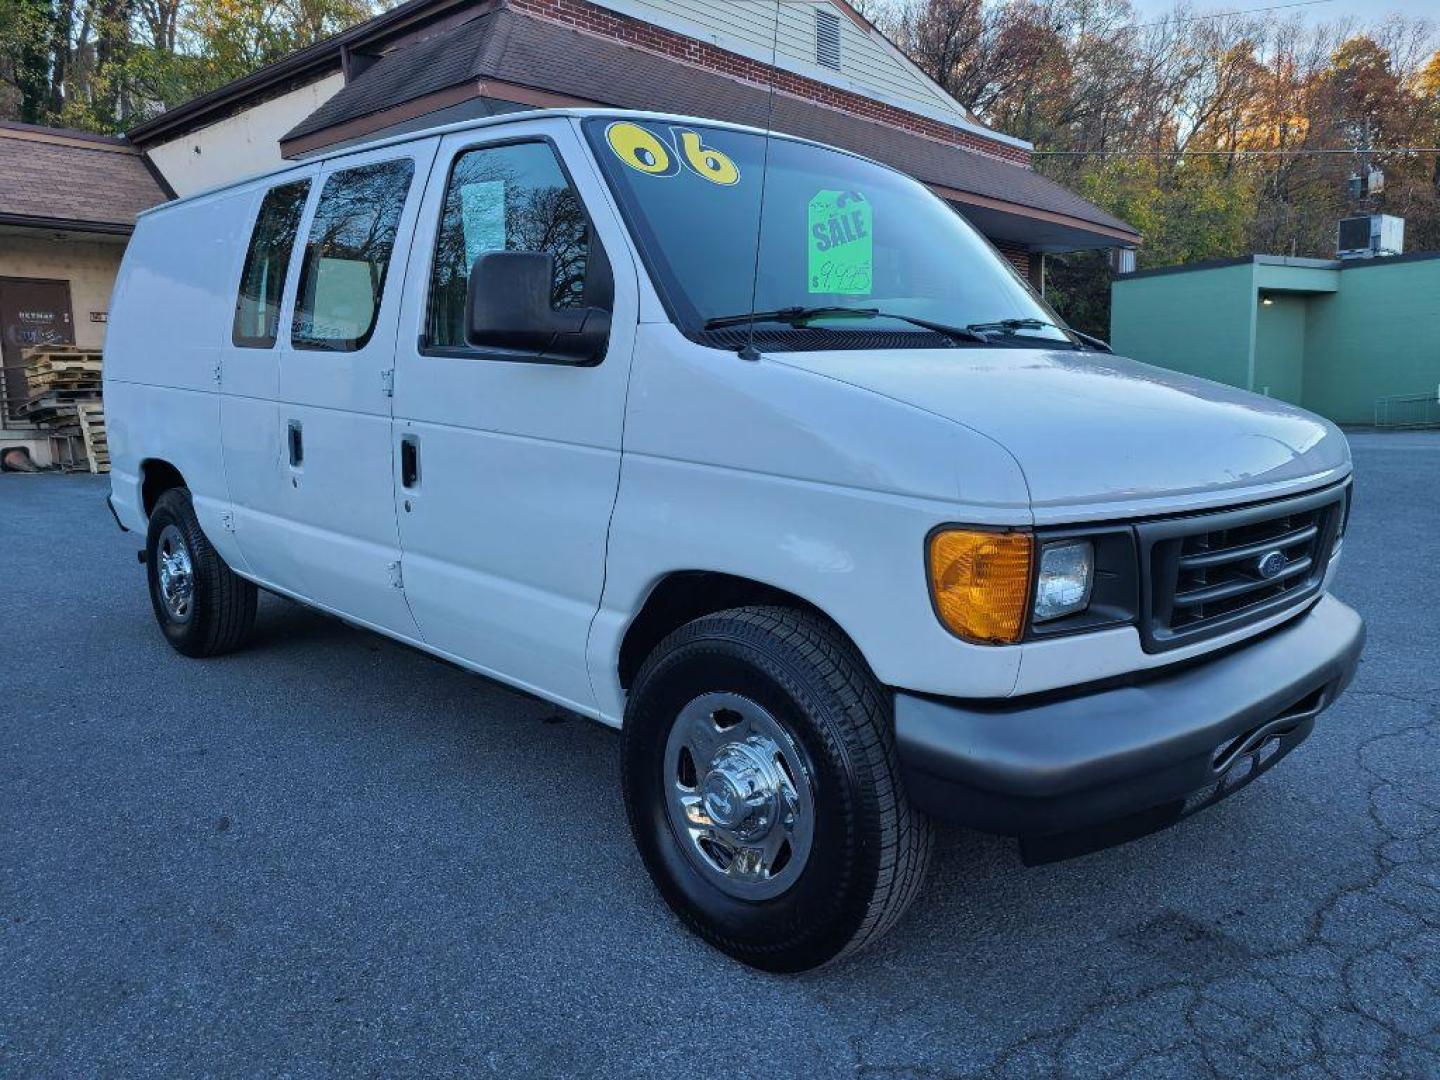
[1364, 10]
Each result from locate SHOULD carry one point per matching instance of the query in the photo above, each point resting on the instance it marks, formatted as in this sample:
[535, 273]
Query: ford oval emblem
[1271, 564]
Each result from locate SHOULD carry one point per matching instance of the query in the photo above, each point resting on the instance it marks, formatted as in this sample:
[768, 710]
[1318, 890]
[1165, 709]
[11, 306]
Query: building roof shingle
[514, 48]
[60, 178]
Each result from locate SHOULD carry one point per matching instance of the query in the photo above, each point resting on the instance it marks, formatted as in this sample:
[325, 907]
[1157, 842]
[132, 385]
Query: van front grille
[1212, 573]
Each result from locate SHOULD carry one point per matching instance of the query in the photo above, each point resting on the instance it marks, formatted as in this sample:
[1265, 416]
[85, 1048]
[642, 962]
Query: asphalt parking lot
[329, 855]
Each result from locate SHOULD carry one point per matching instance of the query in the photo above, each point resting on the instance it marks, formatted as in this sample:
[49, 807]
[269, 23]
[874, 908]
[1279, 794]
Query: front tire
[763, 789]
[203, 607]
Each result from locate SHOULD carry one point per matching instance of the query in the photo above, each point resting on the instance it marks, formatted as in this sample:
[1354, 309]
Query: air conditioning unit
[1369, 236]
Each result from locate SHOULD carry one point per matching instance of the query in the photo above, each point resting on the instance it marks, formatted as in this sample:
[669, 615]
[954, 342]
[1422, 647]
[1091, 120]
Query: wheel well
[157, 477]
[687, 595]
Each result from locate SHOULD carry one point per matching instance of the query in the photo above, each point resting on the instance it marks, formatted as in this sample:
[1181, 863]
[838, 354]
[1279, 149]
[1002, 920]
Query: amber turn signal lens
[981, 583]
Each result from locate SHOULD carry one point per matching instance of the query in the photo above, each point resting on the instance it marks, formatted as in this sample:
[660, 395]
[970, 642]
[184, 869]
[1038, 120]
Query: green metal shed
[1356, 341]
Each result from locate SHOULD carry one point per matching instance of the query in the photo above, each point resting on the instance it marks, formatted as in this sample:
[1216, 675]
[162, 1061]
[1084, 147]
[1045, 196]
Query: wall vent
[827, 38]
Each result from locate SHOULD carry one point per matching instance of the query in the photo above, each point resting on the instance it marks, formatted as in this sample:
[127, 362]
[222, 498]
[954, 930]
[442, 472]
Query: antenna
[749, 352]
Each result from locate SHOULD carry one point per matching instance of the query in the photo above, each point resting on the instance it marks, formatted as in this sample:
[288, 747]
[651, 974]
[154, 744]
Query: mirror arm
[585, 345]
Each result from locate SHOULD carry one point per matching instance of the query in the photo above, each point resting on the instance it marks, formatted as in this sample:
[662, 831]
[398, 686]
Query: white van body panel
[262, 500]
[768, 472]
[504, 531]
[552, 500]
[134, 414]
[343, 535]
[1105, 437]
[163, 352]
[836, 512]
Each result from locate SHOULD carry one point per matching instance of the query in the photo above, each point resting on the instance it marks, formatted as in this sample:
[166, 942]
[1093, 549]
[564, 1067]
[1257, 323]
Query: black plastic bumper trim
[110, 505]
[1025, 768]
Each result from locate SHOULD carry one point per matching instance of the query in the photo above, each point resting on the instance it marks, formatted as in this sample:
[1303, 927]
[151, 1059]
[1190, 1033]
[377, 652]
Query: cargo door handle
[409, 461]
[297, 445]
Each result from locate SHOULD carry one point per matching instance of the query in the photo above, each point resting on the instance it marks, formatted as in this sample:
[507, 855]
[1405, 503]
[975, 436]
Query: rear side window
[257, 308]
[505, 198]
[348, 255]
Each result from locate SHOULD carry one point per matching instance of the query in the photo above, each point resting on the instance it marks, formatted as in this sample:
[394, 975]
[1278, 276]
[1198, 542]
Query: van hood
[1099, 434]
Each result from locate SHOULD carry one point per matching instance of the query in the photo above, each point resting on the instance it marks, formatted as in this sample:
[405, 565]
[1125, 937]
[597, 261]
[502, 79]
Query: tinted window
[257, 308]
[505, 198]
[348, 255]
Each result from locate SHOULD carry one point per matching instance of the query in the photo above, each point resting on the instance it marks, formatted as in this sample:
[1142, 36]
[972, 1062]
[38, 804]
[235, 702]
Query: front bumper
[1076, 773]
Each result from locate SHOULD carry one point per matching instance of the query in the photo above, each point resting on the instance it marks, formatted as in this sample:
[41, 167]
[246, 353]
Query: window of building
[827, 38]
[505, 198]
[348, 255]
[257, 307]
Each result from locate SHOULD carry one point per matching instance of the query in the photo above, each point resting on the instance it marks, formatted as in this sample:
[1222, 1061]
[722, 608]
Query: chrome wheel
[738, 796]
[176, 573]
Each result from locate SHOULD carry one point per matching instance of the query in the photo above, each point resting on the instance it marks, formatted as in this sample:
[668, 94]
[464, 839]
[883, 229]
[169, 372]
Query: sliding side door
[334, 398]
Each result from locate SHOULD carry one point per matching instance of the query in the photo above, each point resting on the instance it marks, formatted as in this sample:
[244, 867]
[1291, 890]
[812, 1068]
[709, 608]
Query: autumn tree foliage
[1214, 136]
[105, 64]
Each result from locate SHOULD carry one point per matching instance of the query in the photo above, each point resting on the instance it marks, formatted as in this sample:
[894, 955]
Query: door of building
[32, 312]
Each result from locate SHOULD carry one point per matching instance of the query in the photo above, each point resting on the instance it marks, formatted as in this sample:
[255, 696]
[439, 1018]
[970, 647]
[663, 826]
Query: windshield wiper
[795, 316]
[1011, 325]
[801, 316]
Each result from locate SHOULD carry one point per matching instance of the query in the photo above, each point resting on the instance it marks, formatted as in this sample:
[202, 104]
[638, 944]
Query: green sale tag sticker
[840, 243]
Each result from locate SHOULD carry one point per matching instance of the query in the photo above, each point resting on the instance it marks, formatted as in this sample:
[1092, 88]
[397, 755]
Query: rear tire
[203, 607]
[777, 707]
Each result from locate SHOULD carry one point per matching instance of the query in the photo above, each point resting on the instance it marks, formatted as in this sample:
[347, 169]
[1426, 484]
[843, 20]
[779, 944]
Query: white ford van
[753, 449]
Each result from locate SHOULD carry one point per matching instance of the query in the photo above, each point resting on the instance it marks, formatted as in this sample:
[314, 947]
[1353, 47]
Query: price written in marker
[840, 243]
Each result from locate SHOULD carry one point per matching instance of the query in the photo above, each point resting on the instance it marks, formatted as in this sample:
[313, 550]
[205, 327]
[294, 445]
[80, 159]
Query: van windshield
[849, 245]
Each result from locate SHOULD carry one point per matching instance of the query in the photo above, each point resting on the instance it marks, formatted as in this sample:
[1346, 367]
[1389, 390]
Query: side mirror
[508, 306]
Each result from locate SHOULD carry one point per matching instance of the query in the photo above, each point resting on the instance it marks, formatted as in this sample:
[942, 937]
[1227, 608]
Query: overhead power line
[1244, 11]
[1368, 151]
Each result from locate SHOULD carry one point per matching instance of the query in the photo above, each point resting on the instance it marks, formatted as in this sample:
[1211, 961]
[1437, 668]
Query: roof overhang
[65, 225]
[1039, 230]
[362, 127]
[58, 180]
[300, 67]
[505, 56]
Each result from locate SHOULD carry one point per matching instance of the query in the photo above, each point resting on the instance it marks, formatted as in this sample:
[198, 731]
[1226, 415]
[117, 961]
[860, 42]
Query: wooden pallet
[58, 406]
[40, 381]
[92, 430]
[49, 361]
[55, 367]
[61, 354]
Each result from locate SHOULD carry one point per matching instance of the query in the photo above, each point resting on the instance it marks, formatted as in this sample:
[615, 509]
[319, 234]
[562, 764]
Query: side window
[505, 198]
[257, 308]
[348, 254]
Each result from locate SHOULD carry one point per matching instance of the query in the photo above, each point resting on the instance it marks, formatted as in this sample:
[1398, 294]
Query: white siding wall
[867, 65]
[240, 145]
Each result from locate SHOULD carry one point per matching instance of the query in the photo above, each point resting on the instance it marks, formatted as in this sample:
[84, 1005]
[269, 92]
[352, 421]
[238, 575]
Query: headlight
[980, 582]
[1067, 572]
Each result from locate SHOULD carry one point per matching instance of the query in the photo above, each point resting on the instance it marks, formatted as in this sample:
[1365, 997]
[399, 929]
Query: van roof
[475, 124]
